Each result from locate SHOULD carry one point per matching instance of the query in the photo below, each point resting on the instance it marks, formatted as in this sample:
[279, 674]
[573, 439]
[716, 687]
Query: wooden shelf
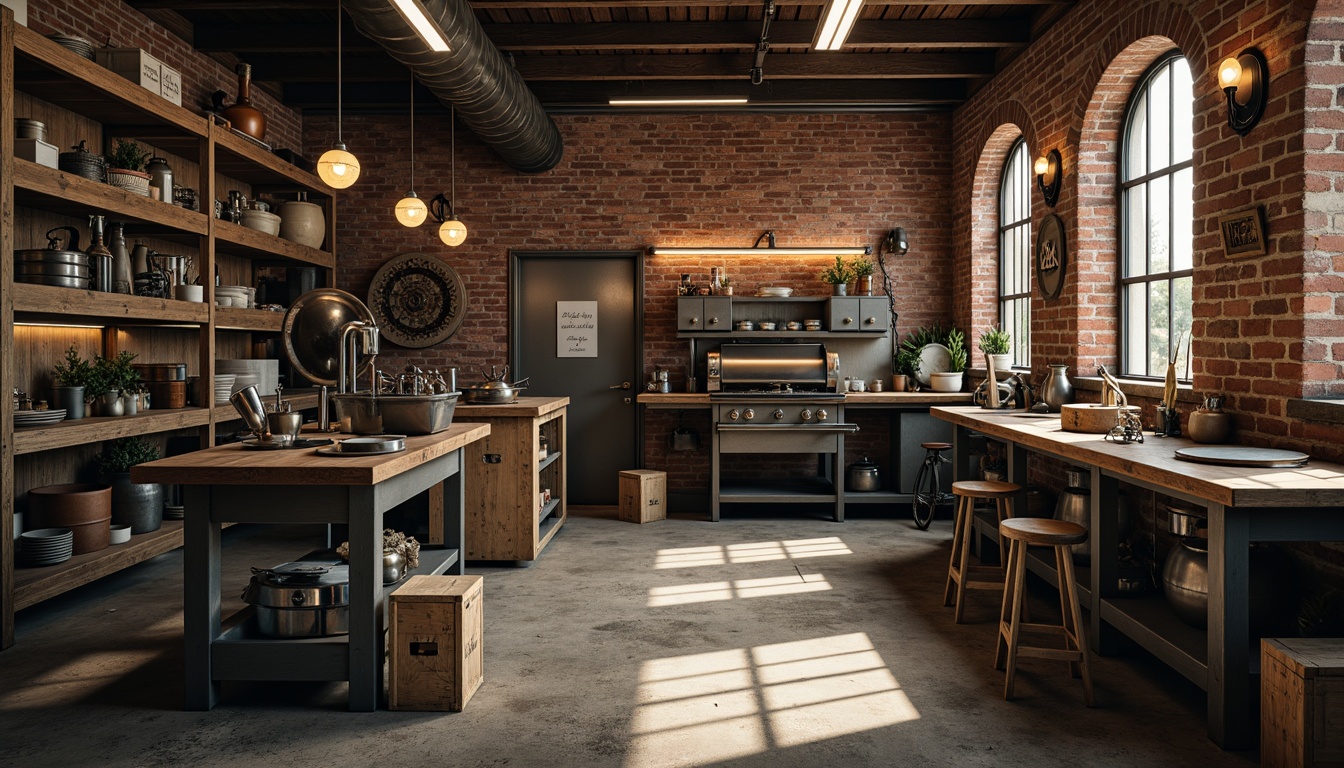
[300, 400]
[550, 459]
[240, 159]
[741, 335]
[259, 320]
[238, 240]
[1152, 623]
[37, 186]
[46, 303]
[33, 585]
[96, 429]
[798, 491]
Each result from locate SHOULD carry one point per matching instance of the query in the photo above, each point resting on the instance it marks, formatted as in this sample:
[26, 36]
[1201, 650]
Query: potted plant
[862, 267]
[71, 377]
[838, 275]
[907, 369]
[111, 379]
[139, 505]
[126, 167]
[725, 287]
[998, 344]
[128, 381]
[951, 379]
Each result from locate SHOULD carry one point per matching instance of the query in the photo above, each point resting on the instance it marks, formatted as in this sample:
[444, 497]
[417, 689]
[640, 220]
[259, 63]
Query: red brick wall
[630, 182]
[126, 27]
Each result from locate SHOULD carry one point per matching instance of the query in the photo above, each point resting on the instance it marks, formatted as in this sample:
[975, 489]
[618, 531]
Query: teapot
[1210, 424]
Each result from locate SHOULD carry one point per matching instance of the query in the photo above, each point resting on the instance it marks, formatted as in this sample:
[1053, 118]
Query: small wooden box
[133, 64]
[643, 495]
[434, 643]
[1301, 702]
[170, 84]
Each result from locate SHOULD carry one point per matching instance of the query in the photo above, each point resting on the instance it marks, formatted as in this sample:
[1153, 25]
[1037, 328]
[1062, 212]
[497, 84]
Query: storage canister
[85, 508]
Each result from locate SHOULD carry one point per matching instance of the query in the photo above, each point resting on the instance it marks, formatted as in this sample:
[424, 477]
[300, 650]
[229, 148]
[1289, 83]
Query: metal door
[604, 431]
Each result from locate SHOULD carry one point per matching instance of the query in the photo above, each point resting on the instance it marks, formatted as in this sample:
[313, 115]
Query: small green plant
[128, 156]
[922, 336]
[838, 273]
[111, 373]
[907, 362]
[120, 455]
[74, 371]
[862, 266]
[995, 341]
[956, 345]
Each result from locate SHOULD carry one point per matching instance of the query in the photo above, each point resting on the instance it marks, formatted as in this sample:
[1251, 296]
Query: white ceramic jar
[303, 223]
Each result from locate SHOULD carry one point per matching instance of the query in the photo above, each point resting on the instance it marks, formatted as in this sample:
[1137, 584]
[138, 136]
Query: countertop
[701, 399]
[523, 407]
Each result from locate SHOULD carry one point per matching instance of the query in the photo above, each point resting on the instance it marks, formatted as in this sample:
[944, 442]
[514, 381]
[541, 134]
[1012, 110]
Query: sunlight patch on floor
[716, 591]
[710, 707]
[754, 552]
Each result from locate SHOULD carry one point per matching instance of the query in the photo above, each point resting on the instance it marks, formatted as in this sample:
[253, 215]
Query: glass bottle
[715, 285]
[100, 258]
[122, 279]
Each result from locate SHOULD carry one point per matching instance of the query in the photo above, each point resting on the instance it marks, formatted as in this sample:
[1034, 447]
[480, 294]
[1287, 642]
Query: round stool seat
[936, 446]
[1042, 531]
[985, 489]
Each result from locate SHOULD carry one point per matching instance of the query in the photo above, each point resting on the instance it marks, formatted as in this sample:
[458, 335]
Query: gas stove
[783, 392]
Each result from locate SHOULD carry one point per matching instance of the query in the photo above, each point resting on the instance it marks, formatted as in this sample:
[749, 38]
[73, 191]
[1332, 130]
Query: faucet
[355, 334]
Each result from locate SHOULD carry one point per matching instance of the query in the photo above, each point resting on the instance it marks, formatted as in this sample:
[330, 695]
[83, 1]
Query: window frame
[1019, 153]
[1162, 64]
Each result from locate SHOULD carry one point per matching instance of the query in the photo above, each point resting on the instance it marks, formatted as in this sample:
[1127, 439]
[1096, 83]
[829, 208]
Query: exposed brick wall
[629, 182]
[126, 27]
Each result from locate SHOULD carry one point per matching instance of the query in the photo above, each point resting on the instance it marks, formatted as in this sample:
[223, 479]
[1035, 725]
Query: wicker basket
[83, 163]
[135, 182]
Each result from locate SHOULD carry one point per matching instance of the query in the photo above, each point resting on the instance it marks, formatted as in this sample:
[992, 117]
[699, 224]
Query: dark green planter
[139, 505]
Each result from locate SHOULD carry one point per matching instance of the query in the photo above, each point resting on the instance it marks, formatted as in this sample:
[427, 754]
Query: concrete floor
[759, 642]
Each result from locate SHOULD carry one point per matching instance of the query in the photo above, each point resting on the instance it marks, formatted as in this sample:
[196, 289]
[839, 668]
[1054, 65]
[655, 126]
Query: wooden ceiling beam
[556, 5]
[848, 66]
[281, 38]
[232, 5]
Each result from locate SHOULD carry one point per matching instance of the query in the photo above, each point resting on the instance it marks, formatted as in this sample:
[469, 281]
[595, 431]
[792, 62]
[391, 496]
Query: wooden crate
[643, 495]
[1301, 702]
[434, 643]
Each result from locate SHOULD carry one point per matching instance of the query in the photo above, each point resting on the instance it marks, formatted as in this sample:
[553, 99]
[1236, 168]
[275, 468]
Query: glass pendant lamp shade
[453, 232]
[338, 168]
[411, 210]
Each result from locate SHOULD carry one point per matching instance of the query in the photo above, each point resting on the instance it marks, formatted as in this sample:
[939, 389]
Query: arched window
[1156, 218]
[1015, 252]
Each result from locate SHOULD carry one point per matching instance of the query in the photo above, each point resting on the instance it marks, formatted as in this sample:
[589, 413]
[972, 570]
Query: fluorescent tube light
[836, 24]
[428, 30]
[822, 250]
[674, 102]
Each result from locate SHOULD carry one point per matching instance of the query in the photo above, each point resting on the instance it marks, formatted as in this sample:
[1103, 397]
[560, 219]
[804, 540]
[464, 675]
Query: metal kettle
[863, 476]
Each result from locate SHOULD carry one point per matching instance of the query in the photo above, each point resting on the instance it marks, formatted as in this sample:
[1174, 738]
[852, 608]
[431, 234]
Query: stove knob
[806, 414]
[748, 414]
[779, 414]
[733, 415]
[821, 414]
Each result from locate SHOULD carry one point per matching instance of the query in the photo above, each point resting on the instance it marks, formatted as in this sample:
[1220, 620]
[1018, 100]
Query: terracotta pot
[85, 508]
[303, 223]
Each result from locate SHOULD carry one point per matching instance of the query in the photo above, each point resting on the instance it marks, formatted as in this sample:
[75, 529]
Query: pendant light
[337, 167]
[452, 232]
[410, 209]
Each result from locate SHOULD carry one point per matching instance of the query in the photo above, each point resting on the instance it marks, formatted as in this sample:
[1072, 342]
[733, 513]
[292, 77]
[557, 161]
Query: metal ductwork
[487, 92]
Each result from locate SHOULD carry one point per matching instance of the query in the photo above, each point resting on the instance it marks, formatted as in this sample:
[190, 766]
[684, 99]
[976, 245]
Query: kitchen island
[231, 484]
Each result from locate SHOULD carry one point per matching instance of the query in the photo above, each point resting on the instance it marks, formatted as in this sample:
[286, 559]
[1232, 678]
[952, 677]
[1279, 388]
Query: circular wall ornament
[417, 300]
[1052, 256]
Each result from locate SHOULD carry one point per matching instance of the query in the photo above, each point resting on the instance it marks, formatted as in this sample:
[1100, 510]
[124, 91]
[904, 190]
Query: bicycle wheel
[925, 494]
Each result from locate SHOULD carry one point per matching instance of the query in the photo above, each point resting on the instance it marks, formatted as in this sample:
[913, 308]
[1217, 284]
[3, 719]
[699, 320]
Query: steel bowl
[363, 413]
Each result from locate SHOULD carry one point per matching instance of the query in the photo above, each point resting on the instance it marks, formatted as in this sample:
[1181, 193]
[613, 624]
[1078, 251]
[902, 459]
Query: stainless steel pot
[58, 264]
[863, 476]
[495, 390]
[1187, 522]
[1185, 582]
[1075, 506]
[370, 414]
[303, 599]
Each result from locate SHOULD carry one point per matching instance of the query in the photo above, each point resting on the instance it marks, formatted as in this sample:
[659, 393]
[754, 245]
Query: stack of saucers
[76, 45]
[47, 546]
[223, 386]
[173, 512]
[38, 418]
[774, 291]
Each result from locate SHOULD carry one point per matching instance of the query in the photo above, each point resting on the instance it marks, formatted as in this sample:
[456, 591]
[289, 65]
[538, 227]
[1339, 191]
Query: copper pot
[242, 115]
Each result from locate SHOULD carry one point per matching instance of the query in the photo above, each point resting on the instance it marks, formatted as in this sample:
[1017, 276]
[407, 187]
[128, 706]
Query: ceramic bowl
[120, 534]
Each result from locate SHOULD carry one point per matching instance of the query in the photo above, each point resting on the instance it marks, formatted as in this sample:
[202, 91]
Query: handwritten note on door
[576, 329]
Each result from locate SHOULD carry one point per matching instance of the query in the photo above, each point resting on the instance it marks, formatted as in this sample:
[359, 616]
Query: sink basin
[363, 413]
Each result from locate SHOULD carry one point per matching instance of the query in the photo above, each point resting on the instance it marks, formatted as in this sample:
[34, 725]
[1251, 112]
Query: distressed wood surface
[523, 407]
[702, 399]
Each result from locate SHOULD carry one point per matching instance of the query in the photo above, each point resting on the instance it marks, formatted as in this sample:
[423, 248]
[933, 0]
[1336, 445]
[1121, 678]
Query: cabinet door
[690, 313]
[718, 313]
[844, 314]
[874, 314]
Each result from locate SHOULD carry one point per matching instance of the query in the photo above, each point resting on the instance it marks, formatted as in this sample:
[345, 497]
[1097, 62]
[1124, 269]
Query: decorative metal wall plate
[1052, 256]
[417, 300]
[312, 333]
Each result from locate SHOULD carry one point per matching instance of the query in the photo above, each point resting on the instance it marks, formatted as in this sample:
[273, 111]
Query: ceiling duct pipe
[488, 93]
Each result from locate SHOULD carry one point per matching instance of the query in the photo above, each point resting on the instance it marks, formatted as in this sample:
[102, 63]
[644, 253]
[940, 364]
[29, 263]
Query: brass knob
[871, 321]
[848, 321]
[713, 321]
[806, 414]
[779, 414]
[749, 414]
[821, 414]
[733, 415]
[694, 320]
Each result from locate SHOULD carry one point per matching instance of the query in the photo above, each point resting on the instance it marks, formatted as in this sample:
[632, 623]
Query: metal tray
[1242, 456]
[312, 333]
[335, 450]
[302, 442]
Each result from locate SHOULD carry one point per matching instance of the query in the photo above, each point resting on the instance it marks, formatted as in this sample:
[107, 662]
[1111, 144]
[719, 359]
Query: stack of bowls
[234, 296]
[46, 546]
[84, 509]
[267, 373]
[223, 386]
[76, 45]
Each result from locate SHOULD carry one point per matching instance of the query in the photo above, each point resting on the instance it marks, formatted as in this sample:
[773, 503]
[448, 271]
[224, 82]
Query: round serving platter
[933, 358]
[1242, 456]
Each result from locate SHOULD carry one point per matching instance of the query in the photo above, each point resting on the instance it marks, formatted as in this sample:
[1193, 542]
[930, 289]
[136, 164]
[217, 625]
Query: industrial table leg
[1230, 723]
[1104, 544]
[200, 598]
[366, 585]
[454, 519]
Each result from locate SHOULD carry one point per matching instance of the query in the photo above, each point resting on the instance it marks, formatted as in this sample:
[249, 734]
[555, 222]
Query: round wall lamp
[1049, 170]
[1245, 80]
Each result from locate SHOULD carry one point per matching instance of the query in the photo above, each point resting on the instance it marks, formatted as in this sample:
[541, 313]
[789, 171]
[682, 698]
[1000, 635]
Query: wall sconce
[896, 242]
[1049, 176]
[1245, 80]
[451, 231]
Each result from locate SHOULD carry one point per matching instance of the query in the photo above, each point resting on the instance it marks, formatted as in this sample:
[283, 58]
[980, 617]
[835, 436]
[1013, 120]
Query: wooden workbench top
[232, 465]
[523, 407]
[701, 399]
[1318, 484]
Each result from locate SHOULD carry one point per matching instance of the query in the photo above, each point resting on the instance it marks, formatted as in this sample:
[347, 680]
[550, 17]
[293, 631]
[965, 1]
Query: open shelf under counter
[794, 491]
[33, 585]
[237, 319]
[95, 429]
[55, 191]
[55, 305]
[237, 240]
[240, 159]
[58, 76]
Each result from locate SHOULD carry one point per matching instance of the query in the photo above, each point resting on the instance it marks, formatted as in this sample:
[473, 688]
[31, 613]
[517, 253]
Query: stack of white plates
[223, 386]
[38, 418]
[266, 371]
[774, 291]
[47, 546]
[239, 295]
[244, 380]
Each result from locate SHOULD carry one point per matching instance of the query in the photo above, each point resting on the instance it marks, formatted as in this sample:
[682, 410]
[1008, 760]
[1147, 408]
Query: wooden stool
[1021, 533]
[960, 574]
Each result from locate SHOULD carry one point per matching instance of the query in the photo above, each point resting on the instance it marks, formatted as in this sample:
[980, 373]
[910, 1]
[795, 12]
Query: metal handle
[694, 320]
[622, 385]
[713, 321]
[848, 320]
[809, 429]
[870, 321]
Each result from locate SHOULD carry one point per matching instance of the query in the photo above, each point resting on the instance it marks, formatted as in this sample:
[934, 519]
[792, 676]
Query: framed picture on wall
[1243, 233]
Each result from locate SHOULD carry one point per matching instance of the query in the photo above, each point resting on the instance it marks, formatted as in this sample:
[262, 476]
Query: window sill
[1324, 410]
[1185, 393]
